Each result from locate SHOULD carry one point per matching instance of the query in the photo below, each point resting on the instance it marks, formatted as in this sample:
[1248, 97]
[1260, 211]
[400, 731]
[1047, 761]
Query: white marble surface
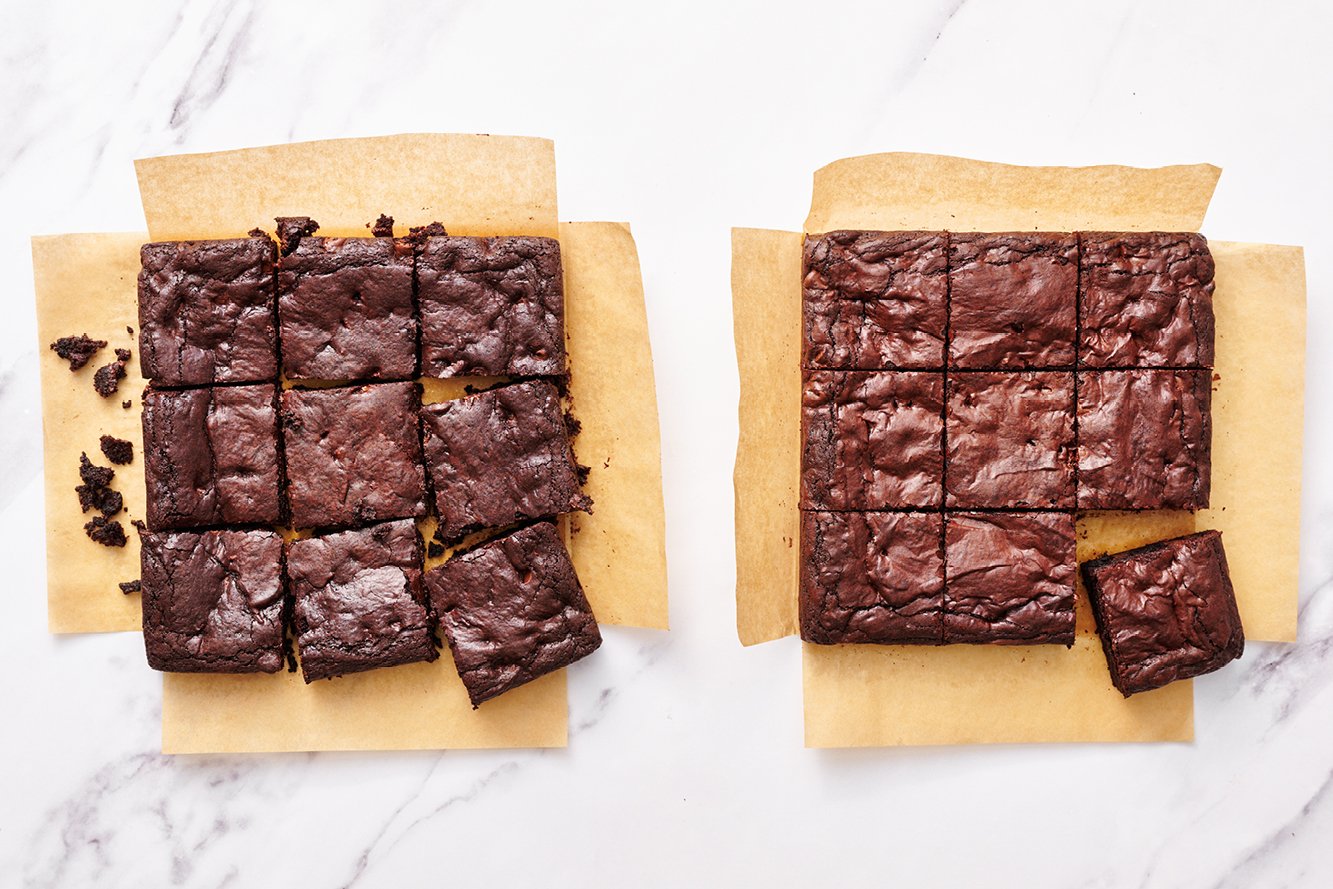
[685, 765]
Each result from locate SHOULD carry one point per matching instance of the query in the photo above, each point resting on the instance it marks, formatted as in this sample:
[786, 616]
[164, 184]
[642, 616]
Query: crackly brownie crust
[512, 610]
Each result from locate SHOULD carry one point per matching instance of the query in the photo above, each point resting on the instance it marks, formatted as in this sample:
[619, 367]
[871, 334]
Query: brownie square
[512, 610]
[211, 456]
[206, 312]
[358, 600]
[872, 440]
[872, 577]
[875, 300]
[212, 601]
[345, 309]
[491, 306]
[1012, 299]
[1144, 439]
[1010, 440]
[499, 457]
[353, 454]
[1166, 611]
[1009, 578]
[1147, 300]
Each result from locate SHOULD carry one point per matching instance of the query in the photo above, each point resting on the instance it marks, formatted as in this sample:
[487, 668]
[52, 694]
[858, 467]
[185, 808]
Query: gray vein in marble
[208, 78]
[1243, 874]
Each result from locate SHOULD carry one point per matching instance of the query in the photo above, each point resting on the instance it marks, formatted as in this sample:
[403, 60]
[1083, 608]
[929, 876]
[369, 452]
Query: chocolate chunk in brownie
[382, 227]
[107, 378]
[117, 450]
[291, 229]
[105, 531]
[77, 350]
[130, 586]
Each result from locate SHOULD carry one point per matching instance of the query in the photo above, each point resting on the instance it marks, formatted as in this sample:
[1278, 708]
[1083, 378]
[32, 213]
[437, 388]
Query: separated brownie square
[206, 312]
[1012, 299]
[872, 440]
[512, 610]
[1144, 439]
[1010, 440]
[358, 600]
[1146, 300]
[212, 601]
[491, 306]
[211, 456]
[875, 300]
[1166, 611]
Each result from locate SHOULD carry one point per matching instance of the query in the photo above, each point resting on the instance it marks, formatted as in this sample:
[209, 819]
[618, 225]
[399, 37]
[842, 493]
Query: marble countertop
[685, 764]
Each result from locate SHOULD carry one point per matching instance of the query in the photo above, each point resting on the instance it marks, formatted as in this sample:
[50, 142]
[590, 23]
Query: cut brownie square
[1147, 300]
[491, 306]
[1012, 299]
[345, 309]
[1144, 439]
[211, 456]
[358, 600]
[499, 457]
[1009, 578]
[212, 601]
[872, 440]
[353, 454]
[512, 610]
[1010, 440]
[206, 312]
[1166, 611]
[875, 300]
[872, 577]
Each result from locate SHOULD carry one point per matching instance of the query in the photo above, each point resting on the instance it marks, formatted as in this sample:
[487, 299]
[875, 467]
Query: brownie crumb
[434, 230]
[117, 450]
[382, 227]
[77, 350]
[291, 229]
[123, 355]
[129, 330]
[434, 550]
[104, 500]
[583, 473]
[107, 379]
[92, 474]
[572, 425]
[126, 403]
[104, 531]
[130, 586]
[257, 232]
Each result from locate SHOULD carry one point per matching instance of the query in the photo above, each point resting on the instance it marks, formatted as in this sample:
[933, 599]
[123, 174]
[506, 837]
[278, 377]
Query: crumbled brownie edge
[291, 229]
[382, 227]
[105, 531]
[130, 586]
[77, 350]
[107, 379]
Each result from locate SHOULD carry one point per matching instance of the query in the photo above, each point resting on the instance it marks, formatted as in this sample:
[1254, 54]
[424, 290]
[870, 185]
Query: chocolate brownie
[512, 610]
[117, 450]
[206, 312]
[872, 577]
[77, 350]
[106, 380]
[1012, 299]
[1166, 611]
[130, 586]
[211, 456]
[499, 457]
[491, 306]
[353, 454]
[875, 300]
[1146, 300]
[95, 491]
[381, 227]
[1009, 577]
[1010, 440]
[291, 229]
[345, 310]
[358, 599]
[212, 601]
[872, 440]
[102, 530]
[1145, 439]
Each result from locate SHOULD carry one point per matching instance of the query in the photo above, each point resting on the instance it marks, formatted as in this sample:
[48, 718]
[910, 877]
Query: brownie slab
[512, 610]
[345, 309]
[491, 306]
[206, 312]
[872, 440]
[875, 300]
[212, 601]
[358, 600]
[1145, 439]
[211, 456]
[1166, 611]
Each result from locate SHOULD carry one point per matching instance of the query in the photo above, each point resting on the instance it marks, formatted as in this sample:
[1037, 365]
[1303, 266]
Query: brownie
[77, 350]
[872, 577]
[1145, 439]
[499, 457]
[381, 227]
[106, 379]
[290, 231]
[211, 456]
[117, 450]
[491, 306]
[872, 440]
[358, 600]
[212, 601]
[875, 300]
[1146, 300]
[353, 454]
[1012, 299]
[102, 530]
[206, 312]
[130, 586]
[345, 310]
[95, 492]
[1010, 440]
[1165, 611]
[1009, 578]
[512, 610]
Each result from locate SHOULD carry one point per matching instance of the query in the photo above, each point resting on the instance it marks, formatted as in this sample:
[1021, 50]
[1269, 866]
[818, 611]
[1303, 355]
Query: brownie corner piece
[512, 610]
